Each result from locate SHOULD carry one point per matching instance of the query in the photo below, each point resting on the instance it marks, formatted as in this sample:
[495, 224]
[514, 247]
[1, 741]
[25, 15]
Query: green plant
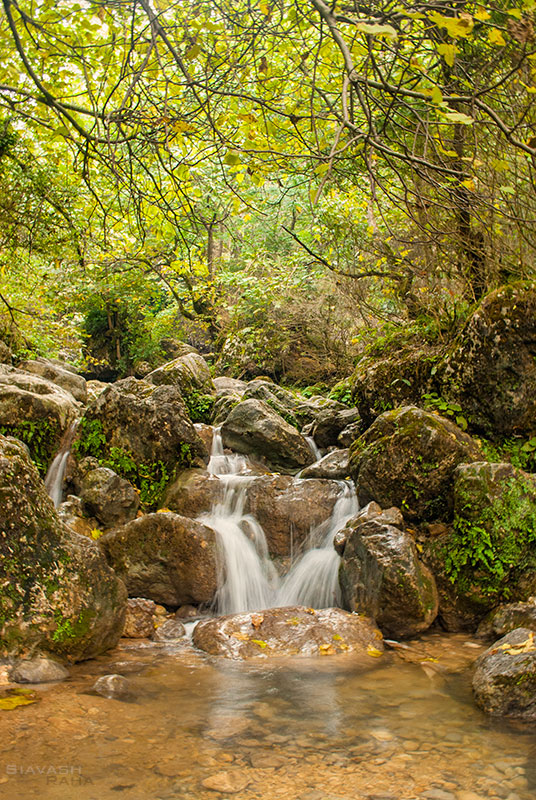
[200, 406]
[342, 393]
[90, 440]
[446, 408]
[519, 452]
[41, 437]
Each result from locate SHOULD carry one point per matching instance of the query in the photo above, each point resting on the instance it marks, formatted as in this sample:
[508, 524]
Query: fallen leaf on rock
[523, 647]
[257, 620]
[260, 642]
[374, 652]
[243, 637]
[17, 697]
[326, 649]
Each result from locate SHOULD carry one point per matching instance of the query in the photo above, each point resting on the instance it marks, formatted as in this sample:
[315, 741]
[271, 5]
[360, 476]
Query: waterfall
[248, 579]
[56, 471]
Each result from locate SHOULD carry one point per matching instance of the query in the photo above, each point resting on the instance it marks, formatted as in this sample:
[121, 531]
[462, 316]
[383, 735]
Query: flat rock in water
[38, 670]
[113, 687]
[289, 631]
[226, 782]
[169, 631]
[333, 466]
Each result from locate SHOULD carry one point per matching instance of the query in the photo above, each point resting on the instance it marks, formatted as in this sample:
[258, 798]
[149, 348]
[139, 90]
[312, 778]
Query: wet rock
[389, 516]
[36, 411]
[169, 631]
[491, 372]
[206, 434]
[38, 670]
[194, 492]
[252, 427]
[71, 513]
[288, 510]
[288, 631]
[63, 598]
[190, 372]
[140, 618]
[143, 430]
[504, 682]
[334, 466]
[507, 618]
[330, 423]
[107, 497]
[226, 782]
[381, 576]
[349, 434]
[65, 378]
[407, 459]
[495, 503]
[164, 557]
[223, 407]
[113, 687]
[186, 612]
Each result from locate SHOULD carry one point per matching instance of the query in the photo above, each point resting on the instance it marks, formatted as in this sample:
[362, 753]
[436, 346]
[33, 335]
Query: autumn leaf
[373, 652]
[257, 620]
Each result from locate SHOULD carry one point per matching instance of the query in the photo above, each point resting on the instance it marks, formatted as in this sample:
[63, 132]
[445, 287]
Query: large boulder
[504, 682]
[507, 618]
[407, 459]
[190, 372]
[289, 510]
[333, 466]
[289, 631]
[296, 409]
[491, 372]
[142, 432]
[65, 378]
[107, 497]
[36, 411]
[57, 593]
[253, 428]
[381, 576]
[489, 555]
[329, 424]
[166, 558]
[194, 492]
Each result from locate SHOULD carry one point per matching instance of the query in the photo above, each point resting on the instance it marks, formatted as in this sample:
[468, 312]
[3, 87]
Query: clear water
[56, 471]
[302, 729]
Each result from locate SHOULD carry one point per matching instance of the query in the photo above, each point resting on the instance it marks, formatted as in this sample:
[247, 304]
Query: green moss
[68, 630]
[487, 547]
[40, 436]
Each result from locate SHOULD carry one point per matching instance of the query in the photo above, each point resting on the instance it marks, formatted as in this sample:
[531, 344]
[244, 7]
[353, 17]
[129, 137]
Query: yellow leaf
[495, 37]
[448, 51]
[326, 649]
[261, 644]
[373, 651]
[469, 184]
[20, 698]
[257, 620]
[481, 14]
[523, 647]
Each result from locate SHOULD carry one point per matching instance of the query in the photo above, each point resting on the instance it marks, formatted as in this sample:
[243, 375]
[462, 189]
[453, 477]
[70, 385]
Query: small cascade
[313, 447]
[314, 579]
[248, 579]
[56, 471]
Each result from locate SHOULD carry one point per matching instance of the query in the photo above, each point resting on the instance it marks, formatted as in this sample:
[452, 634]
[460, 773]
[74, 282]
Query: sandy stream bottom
[328, 728]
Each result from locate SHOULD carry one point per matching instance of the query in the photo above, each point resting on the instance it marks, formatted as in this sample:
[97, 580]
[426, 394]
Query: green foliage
[342, 392]
[69, 629]
[90, 439]
[486, 551]
[200, 406]
[519, 452]
[446, 408]
[41, 437]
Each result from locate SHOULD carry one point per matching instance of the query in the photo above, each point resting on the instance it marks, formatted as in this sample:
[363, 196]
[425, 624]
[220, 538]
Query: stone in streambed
[333, 466]
[169, 631]
[288, 631]
[140, 619]
[38, 670]
[113, 687]
[107, 497]
[226, 782]
[507, 618]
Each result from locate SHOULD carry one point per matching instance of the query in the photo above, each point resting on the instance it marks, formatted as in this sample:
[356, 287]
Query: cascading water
[56, 471]
[248, 579]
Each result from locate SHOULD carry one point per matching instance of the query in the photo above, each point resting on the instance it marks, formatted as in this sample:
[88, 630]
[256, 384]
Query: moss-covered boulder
[107, 497]
[191, 374]
[294, 408]
[57, 593]
[36, 411]
[507, 618]
[382, 576]
[407, 459]
[143, 433]
[489, 557]
[254, 428]
[166, 558]
[504, 682]
[491, 372]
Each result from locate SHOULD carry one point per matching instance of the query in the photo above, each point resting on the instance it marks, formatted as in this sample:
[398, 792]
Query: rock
[5, 353]
[507, 618]
[189, 372]
[187, 612]
[330, 423]
[113, 687]
[381, 576]
[169, 631]
[491, 372]
[333, 466]
[94, 389]
[288, 631]
[226, 386]
[223, 407]
[65, 378]
[288, 510]
[489, 556]
[349, 434]
[107, 497]
[194, 492]
[504, 682]
[226, 782]
[206, 434]
[140, 618]
[36, 411]
[165, 557]
[57, 594]
[141, 431]
[38, 670]
[71, 513]
[407, 459]
[400, 379]
[252, 427]
[389, 516]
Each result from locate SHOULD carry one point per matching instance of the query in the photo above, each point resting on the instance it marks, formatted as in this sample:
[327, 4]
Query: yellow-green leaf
[373, 651]
[448, 51]
[495, 37]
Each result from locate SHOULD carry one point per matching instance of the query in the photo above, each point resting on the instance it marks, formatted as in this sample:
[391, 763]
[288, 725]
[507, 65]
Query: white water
[248, 579]
[56, 471]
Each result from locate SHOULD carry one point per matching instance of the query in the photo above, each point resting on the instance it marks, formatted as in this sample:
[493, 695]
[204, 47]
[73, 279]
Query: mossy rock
[407, 459]
[57, 593]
